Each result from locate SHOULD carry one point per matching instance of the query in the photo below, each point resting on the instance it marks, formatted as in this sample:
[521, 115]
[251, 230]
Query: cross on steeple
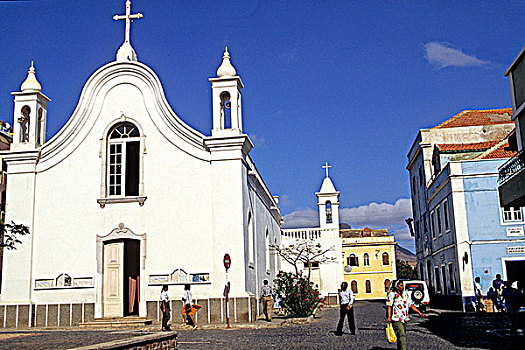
[326, 167]
[128, 17]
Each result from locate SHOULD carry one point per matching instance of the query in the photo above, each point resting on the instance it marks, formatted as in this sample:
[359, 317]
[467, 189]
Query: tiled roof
[353, 233]
[501, 150]
[466, 147]
[476, 118]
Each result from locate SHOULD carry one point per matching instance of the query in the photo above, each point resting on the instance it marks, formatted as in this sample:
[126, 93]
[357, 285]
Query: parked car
[418, 291]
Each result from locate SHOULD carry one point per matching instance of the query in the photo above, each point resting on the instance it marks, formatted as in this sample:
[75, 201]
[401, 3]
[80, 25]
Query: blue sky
[347, 82]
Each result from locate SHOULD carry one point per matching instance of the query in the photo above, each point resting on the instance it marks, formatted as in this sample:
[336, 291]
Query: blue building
[460, 229]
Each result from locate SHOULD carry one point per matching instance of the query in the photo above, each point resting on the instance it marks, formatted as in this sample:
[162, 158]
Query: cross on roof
[128, 17]
[326, 166]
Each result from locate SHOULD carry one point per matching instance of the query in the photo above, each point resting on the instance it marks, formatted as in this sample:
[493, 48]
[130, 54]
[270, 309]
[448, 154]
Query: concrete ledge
[166, 341]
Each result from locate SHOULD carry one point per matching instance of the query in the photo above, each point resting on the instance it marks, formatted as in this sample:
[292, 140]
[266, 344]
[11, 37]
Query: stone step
[117, 322]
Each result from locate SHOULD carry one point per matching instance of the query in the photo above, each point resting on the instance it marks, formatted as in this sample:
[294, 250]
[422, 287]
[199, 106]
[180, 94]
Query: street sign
[227, 261]
[348, 268]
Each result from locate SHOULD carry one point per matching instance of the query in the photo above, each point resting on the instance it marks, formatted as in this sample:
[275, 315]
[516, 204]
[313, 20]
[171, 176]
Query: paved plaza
[437, 331]
[443, 330]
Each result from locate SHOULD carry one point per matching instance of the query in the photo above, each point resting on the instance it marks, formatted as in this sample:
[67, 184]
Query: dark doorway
[516, 272]
[131, 277]
[444, 274]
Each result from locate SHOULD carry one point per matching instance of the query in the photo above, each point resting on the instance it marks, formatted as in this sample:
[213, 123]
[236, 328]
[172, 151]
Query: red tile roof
[476, 118]
[499, 151]
[465, 147]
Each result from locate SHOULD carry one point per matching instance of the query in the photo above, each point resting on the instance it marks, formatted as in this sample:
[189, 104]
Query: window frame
[349, 260]
[105, 198]
[446, 215]
[366, 260]
[438, 220]
[451, 277]
[356, 287]
[123, 143]
[383, 259]
[368, 286]
[513, 212]
[432, 225]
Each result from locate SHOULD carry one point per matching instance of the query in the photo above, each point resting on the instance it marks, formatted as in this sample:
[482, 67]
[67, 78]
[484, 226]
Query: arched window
[387, 285]
[328, 206]
[39, 126]
[251, 250]
[386, 260]
[366, 260]
[226, 104]
[123, 160]
[353, 286]
[352, 260]
[24, 123]
[368, 287]
[267, 249]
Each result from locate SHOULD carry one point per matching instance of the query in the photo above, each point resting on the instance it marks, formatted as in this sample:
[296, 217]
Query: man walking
[267, 300]
[346, 301]
[165, 308]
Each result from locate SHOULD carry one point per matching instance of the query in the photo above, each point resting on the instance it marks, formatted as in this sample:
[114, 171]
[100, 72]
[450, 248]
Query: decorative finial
[226, 69]
[326, 166]
[126, 52]
[31, 84]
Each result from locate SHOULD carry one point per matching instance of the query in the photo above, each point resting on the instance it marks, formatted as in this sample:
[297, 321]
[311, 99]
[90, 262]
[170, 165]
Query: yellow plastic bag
[390, 333]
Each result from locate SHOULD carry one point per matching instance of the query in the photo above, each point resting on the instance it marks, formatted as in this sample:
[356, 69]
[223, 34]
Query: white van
[418, 291]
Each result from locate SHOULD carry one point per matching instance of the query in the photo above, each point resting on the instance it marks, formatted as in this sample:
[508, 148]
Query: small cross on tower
[326, 166]
[128, 17]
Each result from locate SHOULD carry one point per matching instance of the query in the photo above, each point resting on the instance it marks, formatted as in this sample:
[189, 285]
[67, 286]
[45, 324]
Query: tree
[405, 270]
[303, 251]
[10, 233]
[298, 297]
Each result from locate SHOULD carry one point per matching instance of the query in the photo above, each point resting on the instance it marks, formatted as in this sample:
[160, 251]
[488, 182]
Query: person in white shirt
[188, 303]
[346, 301]
[165, 308]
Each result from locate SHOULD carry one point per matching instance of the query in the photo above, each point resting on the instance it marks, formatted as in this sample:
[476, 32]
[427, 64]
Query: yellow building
[369, 261]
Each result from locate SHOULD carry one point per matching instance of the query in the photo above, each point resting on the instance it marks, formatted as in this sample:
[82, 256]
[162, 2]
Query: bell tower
[226, 100]
[328, 202]
[29, 120]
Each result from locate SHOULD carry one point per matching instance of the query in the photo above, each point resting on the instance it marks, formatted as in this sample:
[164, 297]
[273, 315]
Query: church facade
[369, 280]
[110, 202]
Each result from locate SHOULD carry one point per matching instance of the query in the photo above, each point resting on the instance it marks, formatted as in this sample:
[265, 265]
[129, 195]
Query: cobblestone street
[444, 330]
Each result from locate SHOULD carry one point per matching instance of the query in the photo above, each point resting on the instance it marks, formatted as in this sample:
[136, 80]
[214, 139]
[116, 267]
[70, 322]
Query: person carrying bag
[398, 302]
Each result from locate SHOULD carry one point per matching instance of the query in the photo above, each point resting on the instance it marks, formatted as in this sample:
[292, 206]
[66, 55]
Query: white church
[327, 275]
[110, 203]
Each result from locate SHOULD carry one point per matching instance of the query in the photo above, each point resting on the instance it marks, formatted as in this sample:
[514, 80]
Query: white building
[326, 276]
[126, 197]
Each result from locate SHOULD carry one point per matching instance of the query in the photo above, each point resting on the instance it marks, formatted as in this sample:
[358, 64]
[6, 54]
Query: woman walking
[189, 309]
[398, 302]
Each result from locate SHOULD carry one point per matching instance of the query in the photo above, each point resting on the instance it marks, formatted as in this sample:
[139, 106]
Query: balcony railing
[512, 167]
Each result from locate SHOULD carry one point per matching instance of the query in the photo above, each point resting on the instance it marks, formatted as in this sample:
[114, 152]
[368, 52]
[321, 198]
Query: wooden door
[113, 275]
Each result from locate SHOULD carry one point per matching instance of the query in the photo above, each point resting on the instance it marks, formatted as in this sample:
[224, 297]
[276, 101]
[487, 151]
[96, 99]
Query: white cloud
[373, 215]
[257, 141]
[377, 215]
[284, 200]
[301, 218]
[443, 55]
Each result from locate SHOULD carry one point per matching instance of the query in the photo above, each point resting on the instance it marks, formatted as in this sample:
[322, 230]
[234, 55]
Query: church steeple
[29, 130]
[328, 202]
[226, 99]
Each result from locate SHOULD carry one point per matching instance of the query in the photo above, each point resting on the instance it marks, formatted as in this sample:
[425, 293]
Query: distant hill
[406, 255]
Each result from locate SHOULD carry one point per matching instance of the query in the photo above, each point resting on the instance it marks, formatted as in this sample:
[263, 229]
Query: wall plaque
[516, 250]
[515, 231]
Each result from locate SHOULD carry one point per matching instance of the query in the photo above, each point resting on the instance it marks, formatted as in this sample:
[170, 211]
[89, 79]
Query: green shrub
[298, 296]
